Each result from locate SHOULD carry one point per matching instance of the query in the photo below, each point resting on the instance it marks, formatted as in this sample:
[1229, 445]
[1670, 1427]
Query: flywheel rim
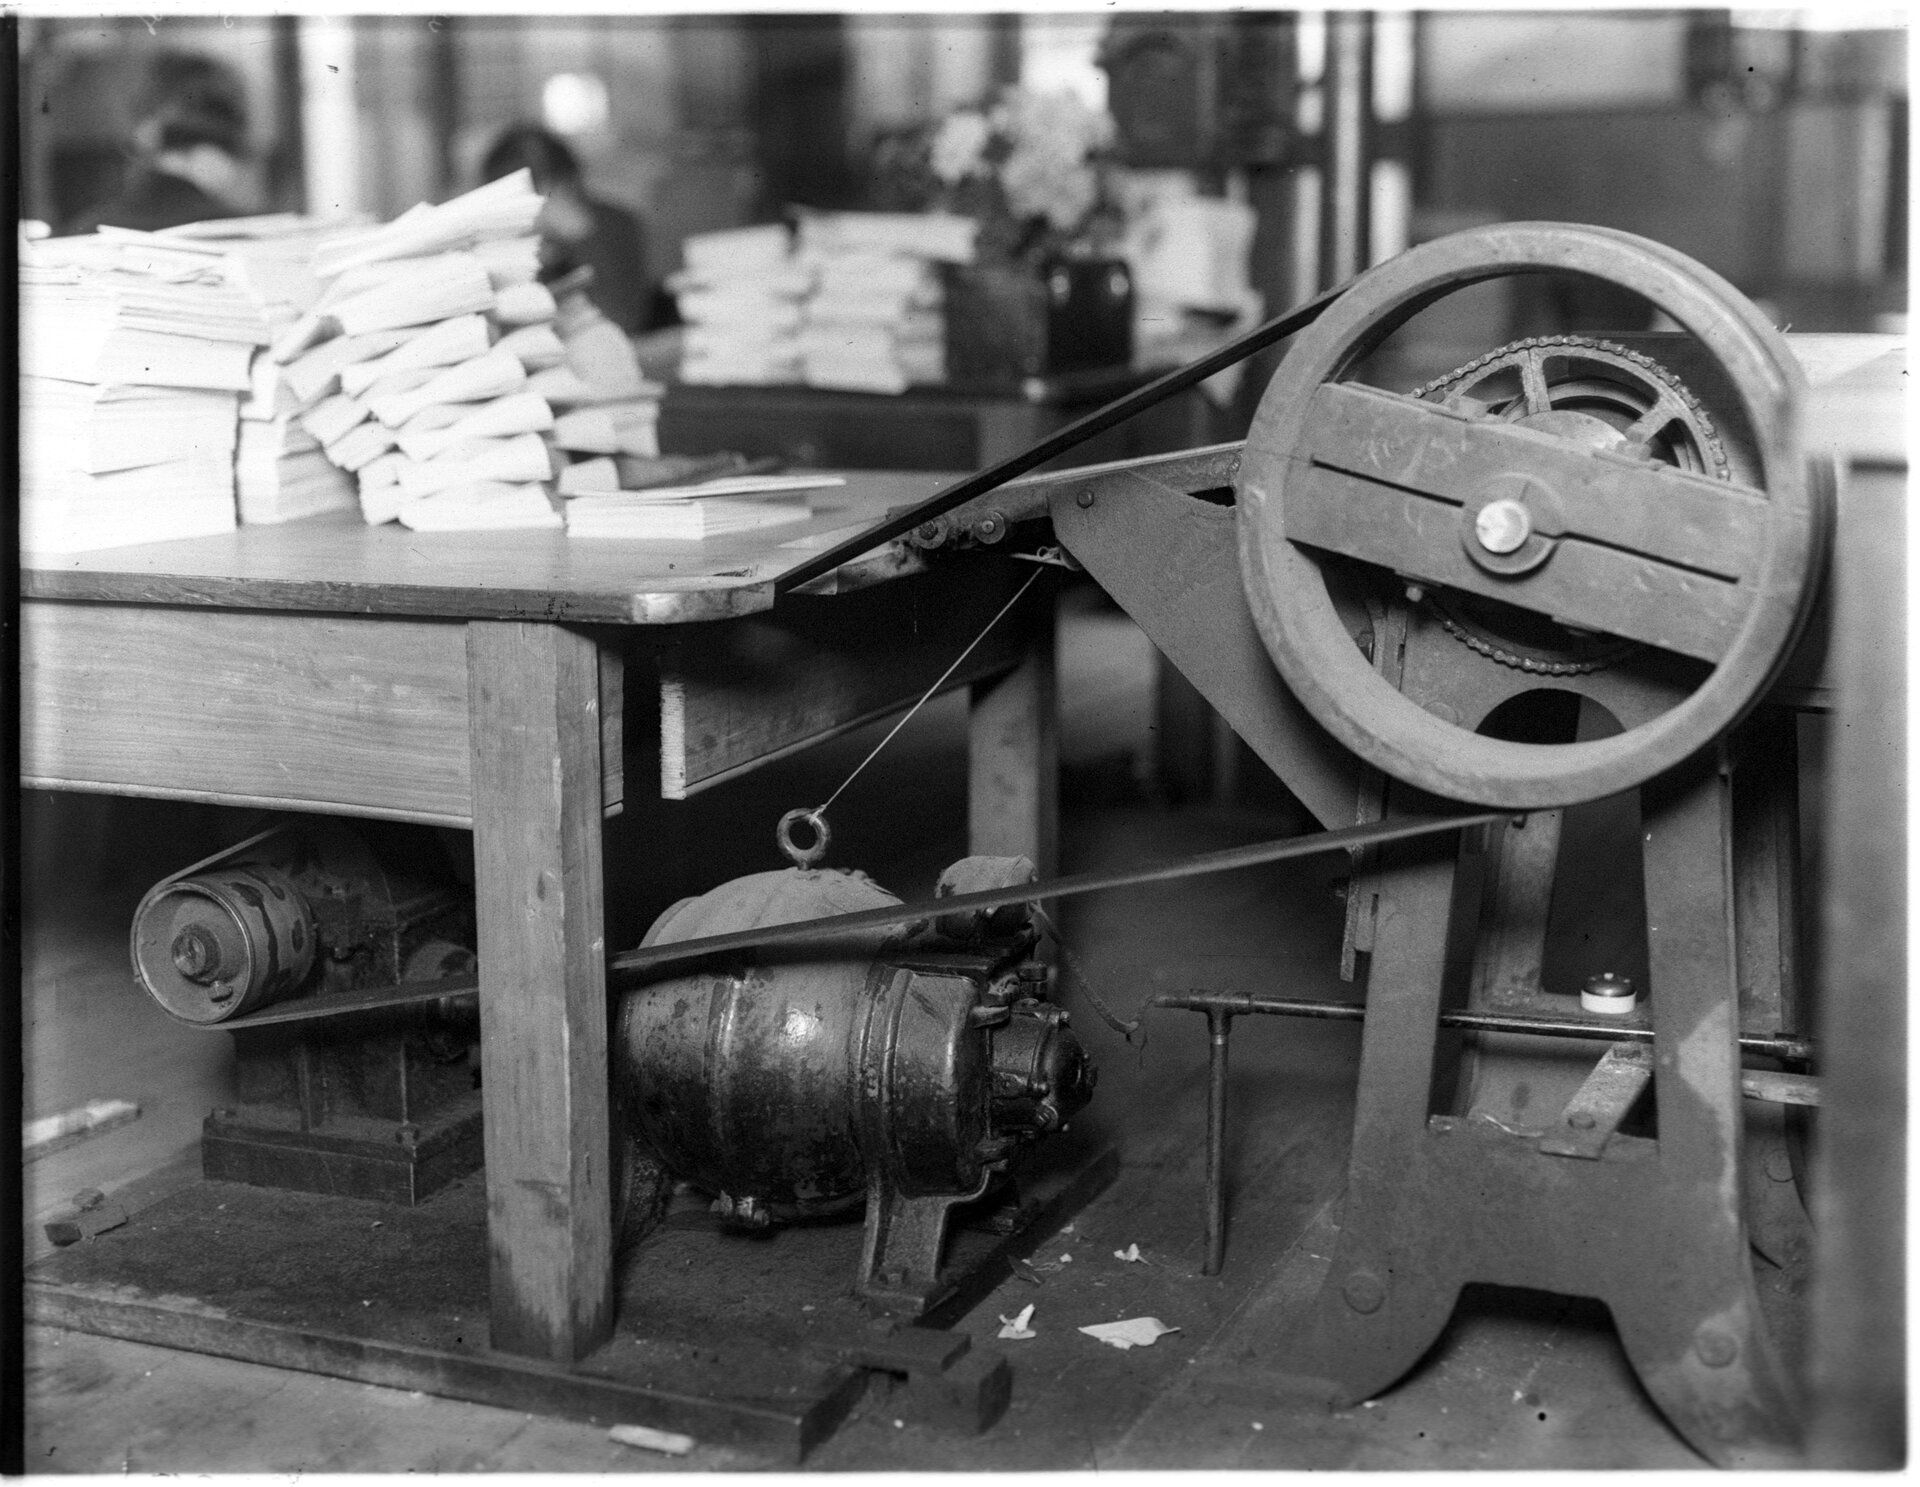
[1311, 647]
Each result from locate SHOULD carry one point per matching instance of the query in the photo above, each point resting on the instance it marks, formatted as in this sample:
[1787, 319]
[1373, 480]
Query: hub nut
[1503, 526]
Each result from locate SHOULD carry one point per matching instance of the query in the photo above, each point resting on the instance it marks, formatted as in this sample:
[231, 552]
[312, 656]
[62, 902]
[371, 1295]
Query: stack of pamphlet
[605, 406]
[873, 322]
[740, 295]
[689, 513]
[280, 471]
[437, 368]
[133, 360]
[430, 329]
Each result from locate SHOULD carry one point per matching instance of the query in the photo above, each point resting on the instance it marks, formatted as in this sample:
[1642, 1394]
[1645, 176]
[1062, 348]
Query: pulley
[295, 913]
[1607, 533]
[223, 942]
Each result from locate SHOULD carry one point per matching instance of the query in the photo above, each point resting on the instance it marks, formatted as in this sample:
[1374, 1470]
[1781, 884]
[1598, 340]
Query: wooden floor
[1518, 1380]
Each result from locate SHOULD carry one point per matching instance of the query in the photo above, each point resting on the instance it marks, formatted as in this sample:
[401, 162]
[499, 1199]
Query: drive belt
[634, 968]
[899, 523]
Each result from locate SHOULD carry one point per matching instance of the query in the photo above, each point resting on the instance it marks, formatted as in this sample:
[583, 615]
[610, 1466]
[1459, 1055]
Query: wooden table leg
[1013, 752]
[534, 702]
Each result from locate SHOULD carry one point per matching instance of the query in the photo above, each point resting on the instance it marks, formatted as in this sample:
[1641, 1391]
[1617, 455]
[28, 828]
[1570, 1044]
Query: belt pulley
[1545, 514]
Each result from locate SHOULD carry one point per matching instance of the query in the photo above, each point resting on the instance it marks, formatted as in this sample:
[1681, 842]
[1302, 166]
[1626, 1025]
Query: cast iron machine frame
[1343, 589]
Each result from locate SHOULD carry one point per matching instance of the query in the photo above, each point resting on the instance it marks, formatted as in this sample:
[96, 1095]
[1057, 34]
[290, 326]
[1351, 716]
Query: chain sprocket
[1701, 451]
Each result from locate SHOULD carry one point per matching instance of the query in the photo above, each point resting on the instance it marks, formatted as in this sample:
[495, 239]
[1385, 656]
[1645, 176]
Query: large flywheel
[1560, 503]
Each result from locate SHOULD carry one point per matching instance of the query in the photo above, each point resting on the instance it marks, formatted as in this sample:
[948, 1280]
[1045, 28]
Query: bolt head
[1581, 1120]
[1084, 499]
[1503, 526]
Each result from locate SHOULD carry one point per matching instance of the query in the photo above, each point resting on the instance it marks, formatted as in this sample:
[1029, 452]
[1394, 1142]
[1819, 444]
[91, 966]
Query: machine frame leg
[1652, 1227]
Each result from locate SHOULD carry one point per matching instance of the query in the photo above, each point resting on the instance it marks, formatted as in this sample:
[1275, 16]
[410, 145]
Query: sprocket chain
[1712, 448]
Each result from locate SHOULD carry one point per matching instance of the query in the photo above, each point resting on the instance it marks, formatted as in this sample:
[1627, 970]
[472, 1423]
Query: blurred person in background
[189, 148]
[578, 230]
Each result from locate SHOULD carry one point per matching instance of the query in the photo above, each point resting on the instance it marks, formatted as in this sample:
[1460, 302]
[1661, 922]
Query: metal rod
[1220, 1028]
[628, 966]
[1098, 421]
[1786, 1046]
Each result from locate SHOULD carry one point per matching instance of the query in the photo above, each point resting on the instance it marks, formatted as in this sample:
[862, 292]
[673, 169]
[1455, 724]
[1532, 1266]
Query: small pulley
[1622, 531]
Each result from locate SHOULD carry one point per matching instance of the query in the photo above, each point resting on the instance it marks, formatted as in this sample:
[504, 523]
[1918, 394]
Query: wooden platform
[748, 1347]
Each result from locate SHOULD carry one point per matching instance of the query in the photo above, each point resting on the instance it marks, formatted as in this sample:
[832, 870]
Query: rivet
[1715, 1348]
[1364, 1292]
[1581, 1120]
[1779, 1166]
[1085, 499]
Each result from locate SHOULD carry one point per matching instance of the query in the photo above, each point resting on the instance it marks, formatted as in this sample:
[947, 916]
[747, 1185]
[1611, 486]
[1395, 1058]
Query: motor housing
[892, 1068]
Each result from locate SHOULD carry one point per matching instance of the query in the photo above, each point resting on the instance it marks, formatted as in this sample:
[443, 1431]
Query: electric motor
[914, 1063]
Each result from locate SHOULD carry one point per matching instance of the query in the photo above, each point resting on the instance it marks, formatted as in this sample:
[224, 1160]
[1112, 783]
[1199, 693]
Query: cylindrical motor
[224, 941]
[916, 1063]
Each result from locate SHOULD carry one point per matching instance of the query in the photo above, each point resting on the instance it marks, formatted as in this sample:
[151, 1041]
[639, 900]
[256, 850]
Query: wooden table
[515, 684]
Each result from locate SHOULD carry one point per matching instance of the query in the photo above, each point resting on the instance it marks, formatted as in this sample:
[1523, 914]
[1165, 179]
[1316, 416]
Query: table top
[336, 563]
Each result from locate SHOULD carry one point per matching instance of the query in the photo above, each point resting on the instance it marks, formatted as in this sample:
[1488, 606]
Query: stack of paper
[604, 405]
[94, 312]
[132, 362]
[714, 508]
[415, 366]
[943, 237]
[642, 516]
[280, 472]
[873, 322]
[740, 295]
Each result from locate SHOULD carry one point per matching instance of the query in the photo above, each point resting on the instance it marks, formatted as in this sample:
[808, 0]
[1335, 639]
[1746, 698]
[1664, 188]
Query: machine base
[757, 1343]
[383, 1160]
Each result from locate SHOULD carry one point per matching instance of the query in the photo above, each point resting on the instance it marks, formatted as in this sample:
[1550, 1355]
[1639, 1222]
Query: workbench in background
[937, 427]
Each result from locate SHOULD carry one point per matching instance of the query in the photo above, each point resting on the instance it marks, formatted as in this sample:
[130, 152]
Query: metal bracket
[1600, 1104]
